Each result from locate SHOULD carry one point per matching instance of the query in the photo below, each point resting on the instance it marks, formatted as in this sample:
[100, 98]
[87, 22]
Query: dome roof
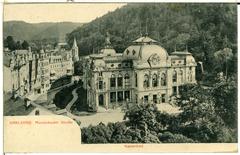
[108, 51]
[144, 48]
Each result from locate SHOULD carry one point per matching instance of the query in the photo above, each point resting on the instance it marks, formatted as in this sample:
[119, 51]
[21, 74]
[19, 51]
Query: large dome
[143, 48]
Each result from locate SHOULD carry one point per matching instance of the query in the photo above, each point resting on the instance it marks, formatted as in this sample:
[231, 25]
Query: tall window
[100, 85]
[174, 90]
[174, 78]
[136, 80]
[181, 76]
[163, 96]
[146, 81]
[154, 80]
[113, 97]
[120, 96]
[120, 80]
[112, 81]
[155, 99]
[145, 99]
[127, 95]
[127, 80]
[190, 76]
[163, 79]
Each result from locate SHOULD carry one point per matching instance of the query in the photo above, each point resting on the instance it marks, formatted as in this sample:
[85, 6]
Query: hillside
[21, 30]
[203, 28]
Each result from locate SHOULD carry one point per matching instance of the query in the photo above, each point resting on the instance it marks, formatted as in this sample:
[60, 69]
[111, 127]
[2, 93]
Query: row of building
[143, 73]
[27, 71]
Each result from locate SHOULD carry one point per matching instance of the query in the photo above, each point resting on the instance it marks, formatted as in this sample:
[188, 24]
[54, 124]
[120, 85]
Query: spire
[175, 48]
[74, 43]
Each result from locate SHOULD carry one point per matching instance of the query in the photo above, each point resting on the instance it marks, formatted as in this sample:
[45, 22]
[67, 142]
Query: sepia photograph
[125, 72]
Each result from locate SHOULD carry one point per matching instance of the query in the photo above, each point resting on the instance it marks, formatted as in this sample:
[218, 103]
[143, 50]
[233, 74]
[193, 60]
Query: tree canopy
[204, 28]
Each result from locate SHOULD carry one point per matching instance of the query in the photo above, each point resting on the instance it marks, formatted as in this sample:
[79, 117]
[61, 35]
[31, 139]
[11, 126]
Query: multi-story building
[26, 71]
[144, 72]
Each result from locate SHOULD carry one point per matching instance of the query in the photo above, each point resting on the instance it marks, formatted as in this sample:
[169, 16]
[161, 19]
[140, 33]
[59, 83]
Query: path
[74, 99]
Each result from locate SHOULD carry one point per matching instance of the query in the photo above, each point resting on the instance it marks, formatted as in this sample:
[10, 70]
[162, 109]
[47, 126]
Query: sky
[78, 12]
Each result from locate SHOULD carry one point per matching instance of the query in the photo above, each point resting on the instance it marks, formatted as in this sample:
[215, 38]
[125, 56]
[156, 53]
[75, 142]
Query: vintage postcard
[120, 77]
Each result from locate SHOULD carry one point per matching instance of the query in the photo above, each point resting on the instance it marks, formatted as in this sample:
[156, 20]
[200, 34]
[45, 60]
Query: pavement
[111, 116]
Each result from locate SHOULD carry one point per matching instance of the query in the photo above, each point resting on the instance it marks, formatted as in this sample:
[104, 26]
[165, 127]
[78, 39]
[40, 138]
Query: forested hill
[204, 28]
[21, 30]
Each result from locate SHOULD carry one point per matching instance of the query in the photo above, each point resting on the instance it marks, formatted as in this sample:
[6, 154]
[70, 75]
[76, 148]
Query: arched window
[120, 80]
[113, 81]
[174, 77]
[146, 81]
[154, 80]
[163, 79]
[181, 76]
[190, 76]
[127, 80]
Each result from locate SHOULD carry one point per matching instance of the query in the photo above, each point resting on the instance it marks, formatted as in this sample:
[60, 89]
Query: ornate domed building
[143, 73]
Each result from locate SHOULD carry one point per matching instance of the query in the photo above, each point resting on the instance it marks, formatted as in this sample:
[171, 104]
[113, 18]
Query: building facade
[31, 72]
[143, 73]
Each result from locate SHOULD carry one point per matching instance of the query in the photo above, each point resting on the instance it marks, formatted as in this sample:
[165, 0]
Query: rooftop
[181, 53]
[145, 39]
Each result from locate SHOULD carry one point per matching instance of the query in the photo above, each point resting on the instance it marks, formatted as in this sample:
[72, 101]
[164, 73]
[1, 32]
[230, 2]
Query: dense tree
[25, 45]
[145, 124]
[200, 118]
[225, 96]
[223, 57]
[141, 126]
[18, 45]
[204, 28]
[168, 137]
[10, 43]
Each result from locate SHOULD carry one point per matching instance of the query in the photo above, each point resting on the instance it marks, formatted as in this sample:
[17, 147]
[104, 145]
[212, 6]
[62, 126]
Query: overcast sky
[80, 12]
